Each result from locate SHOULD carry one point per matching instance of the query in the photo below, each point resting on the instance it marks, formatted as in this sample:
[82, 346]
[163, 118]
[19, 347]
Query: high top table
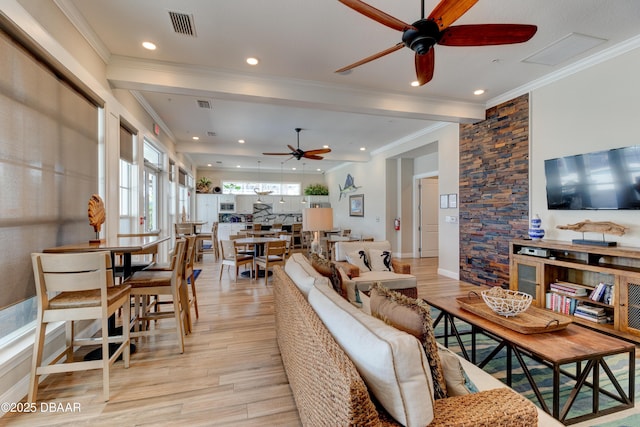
[116, 245]
[572, 345]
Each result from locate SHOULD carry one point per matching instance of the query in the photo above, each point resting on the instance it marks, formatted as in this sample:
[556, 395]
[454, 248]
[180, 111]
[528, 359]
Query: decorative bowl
[506, 302]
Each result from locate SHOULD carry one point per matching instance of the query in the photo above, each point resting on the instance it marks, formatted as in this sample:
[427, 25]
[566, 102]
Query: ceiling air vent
[204, 104]
[209, 133]
[183, 23]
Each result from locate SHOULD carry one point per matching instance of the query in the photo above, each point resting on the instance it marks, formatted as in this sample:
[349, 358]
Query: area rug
[630, 421]
[543, 375]
[196, 273]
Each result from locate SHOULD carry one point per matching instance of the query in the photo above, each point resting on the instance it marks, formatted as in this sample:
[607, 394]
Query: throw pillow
[328, 269]
[359, 259]
[380, 260]
[391, 362]
[349, 288]
[412, 316]
[458, 383]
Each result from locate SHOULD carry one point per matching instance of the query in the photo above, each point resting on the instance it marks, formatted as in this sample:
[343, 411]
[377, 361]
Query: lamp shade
[317, 219]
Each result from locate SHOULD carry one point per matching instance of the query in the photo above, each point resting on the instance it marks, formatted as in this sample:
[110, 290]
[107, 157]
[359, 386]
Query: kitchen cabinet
[226, 229]
[244, 204]
[207, 209]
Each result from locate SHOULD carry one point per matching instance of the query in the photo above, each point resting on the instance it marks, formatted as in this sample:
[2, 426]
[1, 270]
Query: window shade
[126, 145]
[48, 165]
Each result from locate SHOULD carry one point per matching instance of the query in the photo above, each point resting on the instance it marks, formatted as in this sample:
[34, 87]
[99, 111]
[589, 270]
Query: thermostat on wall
[534, 251]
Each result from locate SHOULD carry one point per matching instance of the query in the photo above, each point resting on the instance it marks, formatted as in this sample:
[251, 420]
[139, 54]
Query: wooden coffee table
[571, 345]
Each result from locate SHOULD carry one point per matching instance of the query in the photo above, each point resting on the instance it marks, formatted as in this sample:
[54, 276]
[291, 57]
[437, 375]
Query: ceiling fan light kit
[424, 34]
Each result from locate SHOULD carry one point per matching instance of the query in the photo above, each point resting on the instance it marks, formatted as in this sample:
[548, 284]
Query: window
[47, 141]
[250, 187]
[185, 186]
[126, 188]
[152, 184]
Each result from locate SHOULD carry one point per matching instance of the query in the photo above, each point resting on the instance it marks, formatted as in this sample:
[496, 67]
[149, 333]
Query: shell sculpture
[604, 227]
[96, 212]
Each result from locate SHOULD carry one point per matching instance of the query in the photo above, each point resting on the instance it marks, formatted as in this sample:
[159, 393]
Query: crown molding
[77, 20]
[605, 55]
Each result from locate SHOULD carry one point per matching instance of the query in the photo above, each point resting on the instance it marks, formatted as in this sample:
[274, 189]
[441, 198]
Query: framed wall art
[356, 205]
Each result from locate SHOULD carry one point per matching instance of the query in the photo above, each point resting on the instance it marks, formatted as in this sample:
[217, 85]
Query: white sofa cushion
[391, 362]
[341, 249]
[303, 274]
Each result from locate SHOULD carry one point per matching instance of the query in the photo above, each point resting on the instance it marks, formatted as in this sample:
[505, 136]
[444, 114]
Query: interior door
[429, 217]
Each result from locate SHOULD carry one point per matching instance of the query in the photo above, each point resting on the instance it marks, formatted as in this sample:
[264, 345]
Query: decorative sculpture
[604, 227]
[97, 215]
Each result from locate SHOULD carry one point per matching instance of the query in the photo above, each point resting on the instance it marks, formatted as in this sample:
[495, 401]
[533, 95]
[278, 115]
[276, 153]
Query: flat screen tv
[600, 180]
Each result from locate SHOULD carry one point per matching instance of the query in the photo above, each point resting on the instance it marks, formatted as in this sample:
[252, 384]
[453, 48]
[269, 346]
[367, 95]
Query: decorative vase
[536, 231]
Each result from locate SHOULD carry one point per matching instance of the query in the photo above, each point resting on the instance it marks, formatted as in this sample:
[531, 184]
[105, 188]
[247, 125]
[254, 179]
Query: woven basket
[506, 302]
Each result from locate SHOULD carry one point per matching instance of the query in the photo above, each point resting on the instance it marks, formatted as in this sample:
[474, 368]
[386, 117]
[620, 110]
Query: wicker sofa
[329, 391]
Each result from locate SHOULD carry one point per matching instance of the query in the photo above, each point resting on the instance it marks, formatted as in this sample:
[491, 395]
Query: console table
[572, 345]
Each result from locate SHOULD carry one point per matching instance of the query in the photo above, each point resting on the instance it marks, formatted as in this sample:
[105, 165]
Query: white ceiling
[300, 43]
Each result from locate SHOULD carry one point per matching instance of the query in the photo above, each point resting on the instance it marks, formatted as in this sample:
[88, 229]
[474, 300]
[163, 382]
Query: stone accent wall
[494, 191]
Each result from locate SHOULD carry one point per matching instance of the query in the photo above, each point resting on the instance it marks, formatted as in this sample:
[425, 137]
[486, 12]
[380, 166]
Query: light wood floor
[230, 374]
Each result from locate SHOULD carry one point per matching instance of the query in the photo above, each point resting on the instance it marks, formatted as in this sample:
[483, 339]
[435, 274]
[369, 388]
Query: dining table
[258, 248]
[125, 245]
[264, 233]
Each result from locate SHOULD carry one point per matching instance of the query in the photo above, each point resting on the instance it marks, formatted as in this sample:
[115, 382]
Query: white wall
[593, 110]
[370, 177]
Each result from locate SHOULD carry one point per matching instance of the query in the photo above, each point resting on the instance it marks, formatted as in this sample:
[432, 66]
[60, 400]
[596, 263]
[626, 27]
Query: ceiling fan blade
[424, 67]
[448, 11]
[319, 151]
[376, 14]
[312, 156]
[371, 58]
[291, 148]
[487, 34]
[276, 154]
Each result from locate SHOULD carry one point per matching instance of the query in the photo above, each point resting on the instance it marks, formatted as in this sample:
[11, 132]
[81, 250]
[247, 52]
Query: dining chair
[182, 230]
[144, 258]
[231, 256]
[257, 227]
[288, 243]
[208, 243]
[274, 254]
[188, 278]
[158, 283]
[72, 287]
[296, 231]
[243, 249]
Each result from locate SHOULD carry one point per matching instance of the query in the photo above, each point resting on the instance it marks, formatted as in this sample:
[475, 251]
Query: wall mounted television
[607, 179]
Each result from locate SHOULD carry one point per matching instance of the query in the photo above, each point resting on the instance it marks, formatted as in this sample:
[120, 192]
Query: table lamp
[316, 220]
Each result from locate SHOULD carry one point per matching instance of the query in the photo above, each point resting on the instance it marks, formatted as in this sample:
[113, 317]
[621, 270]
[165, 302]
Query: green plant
[204, 185]
[316, 190]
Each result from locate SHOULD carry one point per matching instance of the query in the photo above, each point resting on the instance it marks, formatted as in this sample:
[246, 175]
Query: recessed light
[325, 146]
[209, 164]
[195, 138]
[319, 170]
[293, 168]
[252, 61]
[362, 148]
[149, 45]
[415, 83]
[478, 91]
[237, 166]
[241, 141]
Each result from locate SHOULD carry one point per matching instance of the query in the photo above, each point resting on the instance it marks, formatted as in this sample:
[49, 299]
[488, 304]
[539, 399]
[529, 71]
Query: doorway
[428, 210]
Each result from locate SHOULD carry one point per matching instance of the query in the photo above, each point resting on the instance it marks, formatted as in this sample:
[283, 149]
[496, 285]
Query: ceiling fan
[424, 34]
[298, 153]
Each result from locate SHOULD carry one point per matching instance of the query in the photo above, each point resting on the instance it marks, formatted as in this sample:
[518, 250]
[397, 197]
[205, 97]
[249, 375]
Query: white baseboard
[449, 274]
[15, 359]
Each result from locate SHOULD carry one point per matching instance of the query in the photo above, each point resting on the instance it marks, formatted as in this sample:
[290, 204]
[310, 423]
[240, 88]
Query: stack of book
[560, 303]
[569, 289]
[602, 293]
[562, 298]
[592, 314]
